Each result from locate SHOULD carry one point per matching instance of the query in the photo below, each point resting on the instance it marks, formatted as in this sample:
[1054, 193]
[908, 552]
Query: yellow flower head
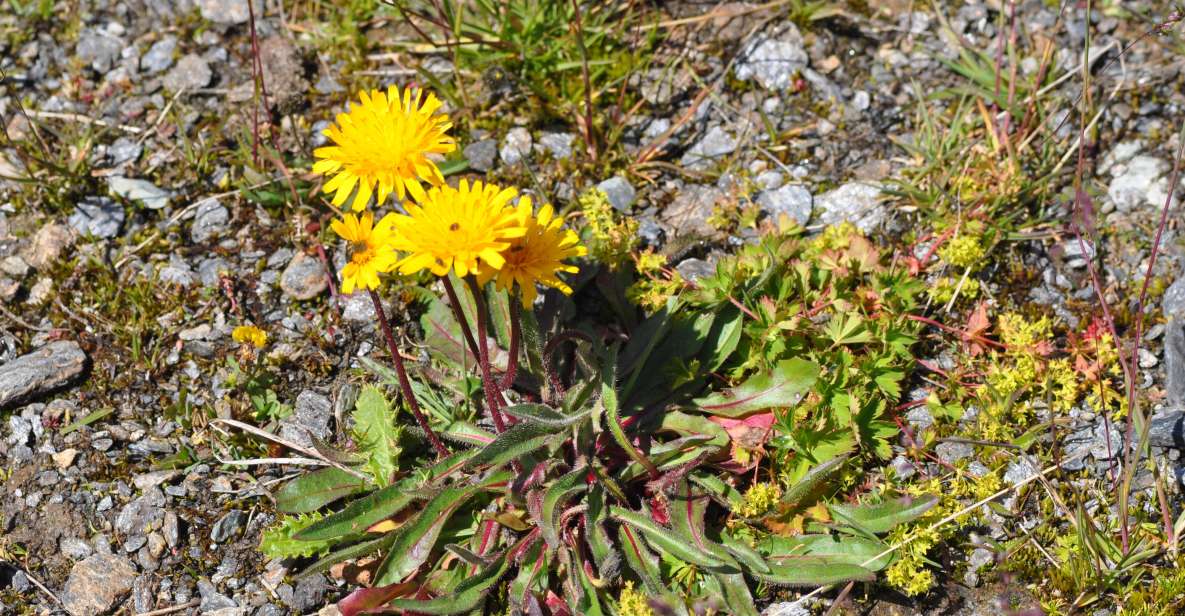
[537, 256]
[371, 251]
[249, 334]
[384, 141]
[457, 228]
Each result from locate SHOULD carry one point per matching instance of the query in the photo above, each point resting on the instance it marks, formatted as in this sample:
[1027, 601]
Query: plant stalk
[404, 383]
[516, 332]
[488, 383]
[459, 314]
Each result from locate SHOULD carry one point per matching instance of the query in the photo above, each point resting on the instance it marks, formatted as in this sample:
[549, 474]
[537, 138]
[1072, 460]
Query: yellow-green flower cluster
[613, 237]
[633, 602]
[385, 145]
[943, 289]
[963, 251]
[759, 499]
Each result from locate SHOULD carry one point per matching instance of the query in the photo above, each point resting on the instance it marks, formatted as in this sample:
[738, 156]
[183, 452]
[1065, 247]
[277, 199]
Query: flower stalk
[404, 383]
[489, 385]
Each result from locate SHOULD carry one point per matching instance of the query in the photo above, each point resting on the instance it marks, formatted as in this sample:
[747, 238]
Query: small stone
[1138, 183]
[516, 146]
[65, 458]
[191, 73]
[304, 278]
[229, 12]
[27, 377]
[141, 514]
[48, 244]
[1018, 471]
[97, 585]
[41, 291]
[773, 62]
[98, 217]
[98, 49]
[159, 57]
[694, 269]
[171, 529]
[715, 144]
[309, 594]
[953, 452]
[156, 544]
[209, 221]
[311, 415]
[857, 202]
[1167, 429]
[793, 201]
[284, 72]
[177, 272]
[228, 526]
[482, 154]
[14, 266]
[919, 417]
[1173, 302]
[558, 144]
[692, 207]
[787, 608]
[619, 192]
[144, 481]
[143, 191]
[902, 467]
[75, 548]
[358, 308]
[134, 543]
[1147, 359]
[212, 599]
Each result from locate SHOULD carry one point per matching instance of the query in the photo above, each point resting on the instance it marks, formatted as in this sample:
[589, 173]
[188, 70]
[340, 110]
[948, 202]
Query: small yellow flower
[249, 334]
[457, 228]
[371, 251]
[384, 141]
[537, 256]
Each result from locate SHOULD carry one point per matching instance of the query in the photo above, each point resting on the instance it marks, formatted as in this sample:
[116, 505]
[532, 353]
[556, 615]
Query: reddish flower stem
[459, 314]
[404, 383]
[492, 391]
[516, 315]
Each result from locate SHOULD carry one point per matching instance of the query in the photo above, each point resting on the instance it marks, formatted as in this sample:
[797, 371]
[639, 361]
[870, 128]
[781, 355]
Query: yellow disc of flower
[456, 228]
[384, 142]
[371, 252]
[538, 256]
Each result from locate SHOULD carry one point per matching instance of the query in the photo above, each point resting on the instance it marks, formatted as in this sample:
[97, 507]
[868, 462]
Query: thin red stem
[516, 315]
[492, 391]
[404, 383]
[459, 313]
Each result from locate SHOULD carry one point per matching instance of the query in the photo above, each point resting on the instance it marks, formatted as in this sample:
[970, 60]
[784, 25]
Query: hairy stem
[404, 383]
[488, 384]
[516, 315]
[459, 314]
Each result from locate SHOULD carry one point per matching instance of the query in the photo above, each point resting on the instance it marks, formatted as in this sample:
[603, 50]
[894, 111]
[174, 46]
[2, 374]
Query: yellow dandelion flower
[249, 334]
[385, 142]
[371, 252]
[457, 228]
[537, 256]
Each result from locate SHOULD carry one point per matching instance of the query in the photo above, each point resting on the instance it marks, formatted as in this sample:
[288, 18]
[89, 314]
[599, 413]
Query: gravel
[773, 61]
[192, 72]
[856, 202]
[516, 146]
[210, 220]
[159, 57]
[793, 201]
[143, 191]
[482, 154]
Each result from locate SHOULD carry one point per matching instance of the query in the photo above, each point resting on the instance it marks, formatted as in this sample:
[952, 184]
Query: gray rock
[40, 292]
[210, 270]
[1174, 361]
[694, 269]
[191, 73]
[304, 278]
[177, 272]
[953, 452]
[98, 49]
[284, 72]
[902, 467]
[558, 144]
[482, 154]
[516, 146]
[692, 207]
[1138, 183]
[75, 548]
[141, 514]
[792, 200]
[27, 377]
[773, 61]
[619, 192]
[310, 416]
[650, 231]
[308, 595]
[124, 151]
[210, 221]
[159, 57]
[143, 191]
[919, 417]
[212, 599]
[47, 245]
[857, 202]
[14, 266]
[97, 216]
[1173, 302]
[715, 144]
[228, 526]
[1167, 429]
[787, 608]
[358, 308]
[1019, 470]
[97, 585]
[229, 12]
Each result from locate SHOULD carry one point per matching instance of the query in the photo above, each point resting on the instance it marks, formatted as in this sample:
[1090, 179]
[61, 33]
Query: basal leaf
[362, 513]
[812, 481]
[376, 434]
[882, 517]
[667, 540]
[468, 596]
[554, 497]
[813, 571]
[543, 414]
[517, 441]
[850, 550]
[315, 490]
[782, 387]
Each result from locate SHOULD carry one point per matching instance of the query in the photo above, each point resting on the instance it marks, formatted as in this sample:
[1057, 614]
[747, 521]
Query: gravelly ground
[123, 270]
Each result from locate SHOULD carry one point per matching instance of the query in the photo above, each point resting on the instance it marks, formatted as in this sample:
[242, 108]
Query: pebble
[210, 220]
[304, 278]
[159, 57]
[284, 72]
[75, 548]
[177, 272]
[692, 207]
[773, 62]
[311, 415]
[516, 146]
[482, 154]
[30, 376]
[716, 143]
[228, 12]
[97, 585]
[192, 72]
[793, 200]
[228, 526]
[212, 599]
[558, 144]
[142, 514]
[143, 191]
[98, 49]
[619, 192]
[856, 202]
[1167, 429]
[47, 245]
[694, 269]
[97, 216]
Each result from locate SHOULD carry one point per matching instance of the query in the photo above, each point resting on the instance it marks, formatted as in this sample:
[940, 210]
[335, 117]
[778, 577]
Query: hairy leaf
[868, 553]
[812, 481]
[553, 498]
[517, 441]
[666, 540]
[279, 541]
[813, 571]
[377, 434]
[640, 559]
[350, 552]
[882, 517]
[543, 414]
[466, 597]
[362, 513]
[315, 490]
[779, 388]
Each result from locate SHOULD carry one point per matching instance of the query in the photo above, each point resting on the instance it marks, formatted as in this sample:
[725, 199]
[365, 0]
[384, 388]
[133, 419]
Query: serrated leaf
[315, 490]
[376, 434]
[666, 540]
[279, 541]
[779, 388]
[882, 517]
[517, 441]
[362, 513]
[813, 571]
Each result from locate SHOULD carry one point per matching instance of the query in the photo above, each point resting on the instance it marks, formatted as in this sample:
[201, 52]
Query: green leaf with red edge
[468, 596]
[365, 599]
[315, 490]
[882, 517]
[781, 387]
